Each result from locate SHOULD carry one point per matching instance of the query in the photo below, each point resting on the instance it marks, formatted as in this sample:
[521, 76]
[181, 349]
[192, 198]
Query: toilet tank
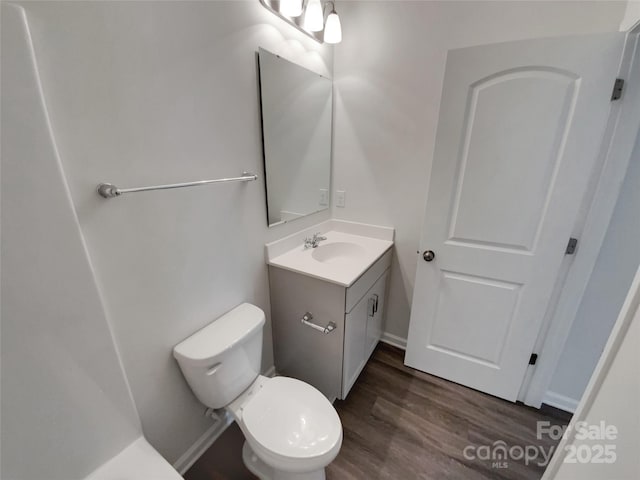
[221, 360]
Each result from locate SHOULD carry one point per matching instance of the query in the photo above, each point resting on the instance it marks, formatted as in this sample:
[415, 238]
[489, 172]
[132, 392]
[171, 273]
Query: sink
[347, 252]
[338, 252]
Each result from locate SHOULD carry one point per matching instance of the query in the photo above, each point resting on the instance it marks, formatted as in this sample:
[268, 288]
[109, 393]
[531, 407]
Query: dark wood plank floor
[400, 423]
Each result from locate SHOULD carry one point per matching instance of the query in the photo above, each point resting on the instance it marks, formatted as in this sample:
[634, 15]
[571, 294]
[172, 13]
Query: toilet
[292, 431]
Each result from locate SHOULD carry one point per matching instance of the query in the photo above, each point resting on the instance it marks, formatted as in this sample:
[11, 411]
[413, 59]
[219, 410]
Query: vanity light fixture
[308, 16]
[313, 17]
[332, 27]
[291, 8]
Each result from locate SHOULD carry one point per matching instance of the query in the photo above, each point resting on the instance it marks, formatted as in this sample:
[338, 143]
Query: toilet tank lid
[220, 335]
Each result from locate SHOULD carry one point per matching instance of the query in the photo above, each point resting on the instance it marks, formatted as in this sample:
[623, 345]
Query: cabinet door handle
[372, 305]
[306, 320]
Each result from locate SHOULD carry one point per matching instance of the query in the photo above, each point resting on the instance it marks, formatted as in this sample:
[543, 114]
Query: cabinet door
[362, 331]
[375, 313]
[355, 332]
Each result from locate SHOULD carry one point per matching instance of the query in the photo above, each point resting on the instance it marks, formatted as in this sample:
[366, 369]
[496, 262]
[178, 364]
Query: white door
[518, 136]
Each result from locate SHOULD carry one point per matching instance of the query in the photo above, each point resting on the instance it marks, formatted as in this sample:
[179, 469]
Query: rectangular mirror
[296, 133]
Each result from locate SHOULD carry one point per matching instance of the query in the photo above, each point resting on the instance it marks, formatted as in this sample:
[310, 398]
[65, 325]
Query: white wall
[159, 92]
[631, 15]
[612, 275]
[66, 407]
[388, 79]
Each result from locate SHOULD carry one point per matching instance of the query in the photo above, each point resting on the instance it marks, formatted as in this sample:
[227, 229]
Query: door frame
[598, 206]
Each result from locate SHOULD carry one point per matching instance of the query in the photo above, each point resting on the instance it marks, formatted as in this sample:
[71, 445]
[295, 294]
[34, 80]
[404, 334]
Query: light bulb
[333, 29]
[291, 8]
[313, 17]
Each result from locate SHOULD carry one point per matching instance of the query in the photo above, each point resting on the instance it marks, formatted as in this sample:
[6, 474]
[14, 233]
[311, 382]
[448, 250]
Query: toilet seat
[291, 426]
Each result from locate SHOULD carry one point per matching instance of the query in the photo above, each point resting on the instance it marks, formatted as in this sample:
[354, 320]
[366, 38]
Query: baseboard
[194, 452]
[560, 401]
[394, 340]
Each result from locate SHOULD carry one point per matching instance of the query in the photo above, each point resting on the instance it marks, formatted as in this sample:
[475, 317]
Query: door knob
[428, 255]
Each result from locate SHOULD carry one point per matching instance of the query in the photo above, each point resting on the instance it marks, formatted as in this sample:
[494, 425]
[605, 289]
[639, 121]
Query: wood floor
[403, 424]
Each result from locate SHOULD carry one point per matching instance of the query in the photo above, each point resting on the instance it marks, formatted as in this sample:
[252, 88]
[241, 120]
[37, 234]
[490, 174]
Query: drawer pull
[306, 320]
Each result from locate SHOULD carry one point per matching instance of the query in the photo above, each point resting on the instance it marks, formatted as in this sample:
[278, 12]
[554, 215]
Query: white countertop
[341, 259]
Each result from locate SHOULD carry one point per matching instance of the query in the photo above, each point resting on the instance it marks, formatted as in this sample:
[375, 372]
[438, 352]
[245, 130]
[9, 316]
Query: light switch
[340, 194]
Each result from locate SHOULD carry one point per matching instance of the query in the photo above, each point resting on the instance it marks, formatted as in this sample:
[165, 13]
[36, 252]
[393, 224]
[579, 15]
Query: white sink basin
[338, 252]
[348, 251]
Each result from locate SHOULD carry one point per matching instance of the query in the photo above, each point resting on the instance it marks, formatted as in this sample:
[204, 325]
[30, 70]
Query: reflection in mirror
[296, 132]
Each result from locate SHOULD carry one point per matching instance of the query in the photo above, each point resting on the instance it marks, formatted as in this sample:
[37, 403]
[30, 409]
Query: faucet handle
[308, 242]
[312, 242]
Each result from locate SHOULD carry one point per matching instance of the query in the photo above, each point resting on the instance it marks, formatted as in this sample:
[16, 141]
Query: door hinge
[618, 86]
[533, 359]
[571, 246]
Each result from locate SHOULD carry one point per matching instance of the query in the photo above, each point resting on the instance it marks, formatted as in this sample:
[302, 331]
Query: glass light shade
[313, 17]
[333, 29]
[291, 8]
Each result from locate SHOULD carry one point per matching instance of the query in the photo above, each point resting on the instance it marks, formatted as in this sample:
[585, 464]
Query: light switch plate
[340, 198]
[324, 197]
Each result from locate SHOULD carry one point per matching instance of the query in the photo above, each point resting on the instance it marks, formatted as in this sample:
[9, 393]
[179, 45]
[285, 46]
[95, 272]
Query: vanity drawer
[360, 287]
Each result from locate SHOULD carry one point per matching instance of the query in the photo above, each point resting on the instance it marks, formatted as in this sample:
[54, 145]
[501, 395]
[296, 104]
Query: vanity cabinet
[331, 361]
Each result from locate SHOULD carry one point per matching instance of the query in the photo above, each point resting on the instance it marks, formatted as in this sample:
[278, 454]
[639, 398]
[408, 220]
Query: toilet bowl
[289, 427]
[292, 431]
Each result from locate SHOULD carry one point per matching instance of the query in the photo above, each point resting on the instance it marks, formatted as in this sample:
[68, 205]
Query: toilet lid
[292, 418]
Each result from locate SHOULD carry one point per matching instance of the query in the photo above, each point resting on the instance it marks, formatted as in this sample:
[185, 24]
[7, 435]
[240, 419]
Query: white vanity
[328, 302]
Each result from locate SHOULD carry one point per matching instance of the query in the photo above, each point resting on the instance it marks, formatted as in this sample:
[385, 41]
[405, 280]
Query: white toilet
[292, 431]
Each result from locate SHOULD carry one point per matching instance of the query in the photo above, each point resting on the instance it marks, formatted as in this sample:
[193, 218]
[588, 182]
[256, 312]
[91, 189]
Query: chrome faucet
[312, 242]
